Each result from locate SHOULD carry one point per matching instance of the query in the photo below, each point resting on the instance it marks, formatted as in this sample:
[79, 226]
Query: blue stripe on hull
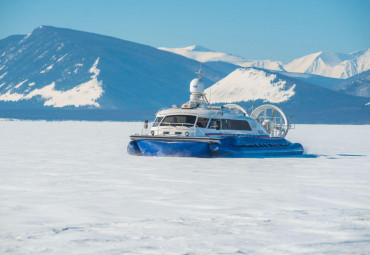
[178, 149]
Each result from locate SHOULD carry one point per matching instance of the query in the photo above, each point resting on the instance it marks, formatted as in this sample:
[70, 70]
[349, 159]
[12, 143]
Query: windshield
[179, 120]
[157, 121]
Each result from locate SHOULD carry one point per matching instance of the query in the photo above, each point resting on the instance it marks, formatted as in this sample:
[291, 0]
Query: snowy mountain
[334, 65]
[203, 54]
[306, 102]
[358, 85]
[63, 68]
[331, 64]
[249, 84]
[57, 73]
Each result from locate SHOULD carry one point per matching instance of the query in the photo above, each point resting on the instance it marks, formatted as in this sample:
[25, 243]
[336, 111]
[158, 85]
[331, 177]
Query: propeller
[273, 119]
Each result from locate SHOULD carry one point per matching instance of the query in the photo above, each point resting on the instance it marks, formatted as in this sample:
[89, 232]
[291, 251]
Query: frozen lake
[71, 188]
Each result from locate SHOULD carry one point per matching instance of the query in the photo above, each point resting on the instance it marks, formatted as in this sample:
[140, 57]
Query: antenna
[200, 71]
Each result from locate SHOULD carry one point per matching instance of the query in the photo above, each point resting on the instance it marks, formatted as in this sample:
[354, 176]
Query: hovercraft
[197, 129]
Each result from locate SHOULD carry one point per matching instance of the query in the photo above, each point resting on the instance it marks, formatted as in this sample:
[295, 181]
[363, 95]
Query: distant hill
[306, 102]
[358, 85]
[328, 64]
[205, 55]
[63, 68]
[336, 65]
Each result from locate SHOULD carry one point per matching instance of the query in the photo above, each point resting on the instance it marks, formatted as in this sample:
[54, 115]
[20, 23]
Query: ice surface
[71, 188]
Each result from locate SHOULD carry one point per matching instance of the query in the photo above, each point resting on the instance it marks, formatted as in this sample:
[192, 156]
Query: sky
[276, 30]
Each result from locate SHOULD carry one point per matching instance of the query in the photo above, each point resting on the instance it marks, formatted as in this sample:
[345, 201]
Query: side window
[157, 121]
[215, 124]
[240, 125]
[202, 122]
[225, 124]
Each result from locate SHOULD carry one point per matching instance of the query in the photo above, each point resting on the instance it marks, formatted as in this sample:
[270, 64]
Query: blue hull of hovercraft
[228, 147]
[179, 149]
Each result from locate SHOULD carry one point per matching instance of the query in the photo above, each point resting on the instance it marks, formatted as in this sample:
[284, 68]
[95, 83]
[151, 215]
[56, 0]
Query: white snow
[20, 84]
[47, 68]
[202, 54]
[61, 58]
[71, 188]
[43, 54]
[25, 38]
[331, 64]
[78, 66]
[249, 84]
[300, 65]
[9, 96]
[2, 76]
[83, 94]
[321, 63]
[60, 46]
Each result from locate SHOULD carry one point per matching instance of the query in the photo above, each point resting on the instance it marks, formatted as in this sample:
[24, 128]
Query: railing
[291, 122]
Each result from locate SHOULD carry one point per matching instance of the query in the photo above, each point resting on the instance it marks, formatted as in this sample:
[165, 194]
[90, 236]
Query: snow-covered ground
[71, 188]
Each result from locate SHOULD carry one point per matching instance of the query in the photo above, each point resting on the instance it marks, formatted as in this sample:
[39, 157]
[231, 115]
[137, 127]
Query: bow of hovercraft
[171, 146]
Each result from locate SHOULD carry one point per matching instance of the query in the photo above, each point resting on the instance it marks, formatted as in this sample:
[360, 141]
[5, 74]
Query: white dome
[197, 86]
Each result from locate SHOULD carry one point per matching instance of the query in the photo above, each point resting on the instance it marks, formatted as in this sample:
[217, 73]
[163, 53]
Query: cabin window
[202, 122]
[179, 120]
[225, 124]
[239, 125]
[215, 124]
[157, 121]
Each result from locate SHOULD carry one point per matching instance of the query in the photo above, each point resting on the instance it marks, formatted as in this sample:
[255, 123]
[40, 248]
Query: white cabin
[205, 121]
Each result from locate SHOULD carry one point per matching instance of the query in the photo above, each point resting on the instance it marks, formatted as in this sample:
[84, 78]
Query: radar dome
[197, 86]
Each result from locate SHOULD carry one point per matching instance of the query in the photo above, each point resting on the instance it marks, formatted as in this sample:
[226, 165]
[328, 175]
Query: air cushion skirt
[178, 149]
[224, 147]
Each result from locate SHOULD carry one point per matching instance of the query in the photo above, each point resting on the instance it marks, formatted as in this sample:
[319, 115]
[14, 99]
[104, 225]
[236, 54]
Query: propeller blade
[273, 113]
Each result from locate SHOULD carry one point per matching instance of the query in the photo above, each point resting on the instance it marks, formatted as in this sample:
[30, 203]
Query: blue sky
[277, 30]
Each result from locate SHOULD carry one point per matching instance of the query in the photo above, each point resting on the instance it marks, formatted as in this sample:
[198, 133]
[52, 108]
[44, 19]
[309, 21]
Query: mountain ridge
[328, 64]
[49, 62]
[59, 73]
